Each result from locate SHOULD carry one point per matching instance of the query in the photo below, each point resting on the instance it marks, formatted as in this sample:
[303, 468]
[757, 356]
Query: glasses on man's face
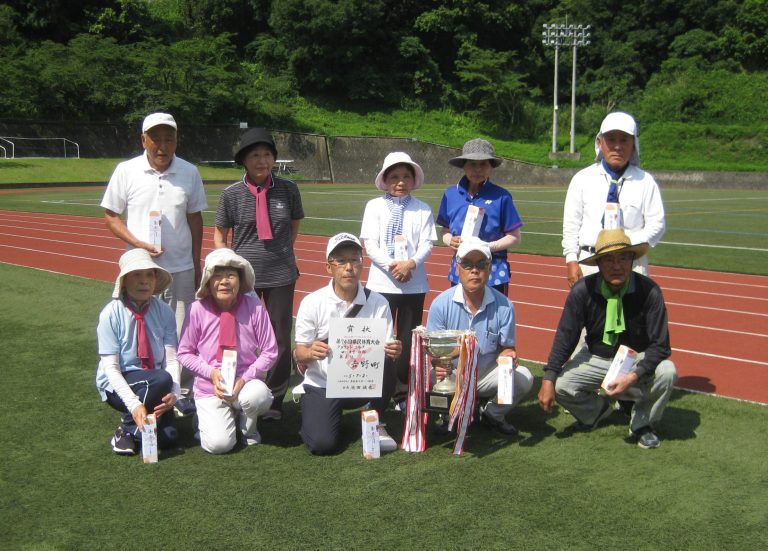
[355, 261]
[480, 264]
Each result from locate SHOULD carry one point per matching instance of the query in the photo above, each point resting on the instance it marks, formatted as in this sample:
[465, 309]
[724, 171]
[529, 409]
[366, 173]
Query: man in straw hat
[616, 307]
[155, 190]
[614, 192]
[138, 373]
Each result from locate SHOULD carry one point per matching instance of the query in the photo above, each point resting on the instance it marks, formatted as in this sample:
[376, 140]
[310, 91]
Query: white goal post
[14, 147]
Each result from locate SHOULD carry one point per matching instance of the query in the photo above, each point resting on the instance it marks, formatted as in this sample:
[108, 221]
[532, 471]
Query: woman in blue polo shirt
[501, 223]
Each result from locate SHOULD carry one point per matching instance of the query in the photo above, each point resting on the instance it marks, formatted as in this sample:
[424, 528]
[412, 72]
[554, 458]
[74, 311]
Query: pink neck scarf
[143, 346]
[227, 328]
[263, 226]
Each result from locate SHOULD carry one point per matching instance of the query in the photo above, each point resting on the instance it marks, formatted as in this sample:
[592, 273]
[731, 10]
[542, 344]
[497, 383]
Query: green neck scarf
[614, 313]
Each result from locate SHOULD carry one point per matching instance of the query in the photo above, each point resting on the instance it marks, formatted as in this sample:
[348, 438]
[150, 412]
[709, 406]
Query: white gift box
[370, 424]
[472, 222]
[149, 440]
[506, 380]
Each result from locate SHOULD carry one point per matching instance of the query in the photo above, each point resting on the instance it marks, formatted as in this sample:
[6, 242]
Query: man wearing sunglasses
[616, 307]
[344, 296]
[473, 305]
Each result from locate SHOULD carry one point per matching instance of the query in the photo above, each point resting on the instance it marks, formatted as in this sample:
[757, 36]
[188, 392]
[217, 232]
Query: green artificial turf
[62, 488]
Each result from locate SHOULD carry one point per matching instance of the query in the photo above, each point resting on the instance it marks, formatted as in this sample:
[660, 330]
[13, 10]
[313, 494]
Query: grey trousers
[576, 389]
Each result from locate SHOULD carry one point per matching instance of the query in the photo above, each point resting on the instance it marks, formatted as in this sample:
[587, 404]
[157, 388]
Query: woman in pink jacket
[228, 343]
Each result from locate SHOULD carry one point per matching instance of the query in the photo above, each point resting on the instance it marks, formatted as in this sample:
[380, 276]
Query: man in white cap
[473, 305]
[614, 192]
[162, 198]
[343, 297]
[616, 307]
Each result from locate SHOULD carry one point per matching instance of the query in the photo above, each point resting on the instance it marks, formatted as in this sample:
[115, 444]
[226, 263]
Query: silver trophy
[445, 345]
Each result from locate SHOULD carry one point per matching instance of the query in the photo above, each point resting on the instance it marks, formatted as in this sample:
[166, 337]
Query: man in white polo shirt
[159, 188]
[343, 297]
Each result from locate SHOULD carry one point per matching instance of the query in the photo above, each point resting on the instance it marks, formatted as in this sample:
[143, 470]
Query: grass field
[706, 228]
[61, 488]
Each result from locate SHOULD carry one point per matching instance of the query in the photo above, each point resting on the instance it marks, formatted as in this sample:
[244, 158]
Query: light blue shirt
[493, 323]
[116, 334]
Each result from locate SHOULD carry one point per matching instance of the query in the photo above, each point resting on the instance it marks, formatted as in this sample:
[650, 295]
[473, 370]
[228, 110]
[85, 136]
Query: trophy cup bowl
[445, 345]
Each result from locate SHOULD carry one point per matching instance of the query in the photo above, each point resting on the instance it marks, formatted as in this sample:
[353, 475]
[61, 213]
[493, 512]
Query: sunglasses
[480, 264]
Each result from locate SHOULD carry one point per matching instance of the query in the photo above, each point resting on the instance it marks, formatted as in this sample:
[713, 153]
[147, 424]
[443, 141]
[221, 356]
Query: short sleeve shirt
[501, 217]
[116, 335]
[136, 188]
[273, 260]
[493, 323]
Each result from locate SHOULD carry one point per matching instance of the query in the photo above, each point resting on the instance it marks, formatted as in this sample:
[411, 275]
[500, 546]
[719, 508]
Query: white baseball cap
[623, 122]
[156, 119]
[473, 244]
[340, 239]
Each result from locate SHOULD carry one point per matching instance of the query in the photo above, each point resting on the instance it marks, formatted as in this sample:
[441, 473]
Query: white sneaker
[386, 442]
[253, 438]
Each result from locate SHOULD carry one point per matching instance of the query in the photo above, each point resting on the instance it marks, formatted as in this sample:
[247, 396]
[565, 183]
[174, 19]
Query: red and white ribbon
[415, 417]
[463, 404]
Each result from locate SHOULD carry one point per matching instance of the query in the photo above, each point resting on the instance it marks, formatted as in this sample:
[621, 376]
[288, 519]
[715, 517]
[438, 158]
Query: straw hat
[139, 259]
[220, 258]
[396, 158]
[611, 241]
[476, 150]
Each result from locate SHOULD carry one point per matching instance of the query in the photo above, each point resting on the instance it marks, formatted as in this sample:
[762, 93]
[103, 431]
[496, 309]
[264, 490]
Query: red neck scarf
[227, 328]
[143, 346]
[263, 225]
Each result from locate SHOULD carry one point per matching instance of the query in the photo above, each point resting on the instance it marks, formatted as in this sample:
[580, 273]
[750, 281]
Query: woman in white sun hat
[228, 324]
[138, 373]
[398, 231]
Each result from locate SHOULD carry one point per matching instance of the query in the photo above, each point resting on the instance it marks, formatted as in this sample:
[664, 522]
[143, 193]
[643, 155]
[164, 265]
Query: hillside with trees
[702, 64]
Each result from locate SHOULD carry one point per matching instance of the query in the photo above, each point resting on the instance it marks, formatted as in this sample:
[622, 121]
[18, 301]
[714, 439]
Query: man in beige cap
[162, 198]
[614, 192]
[616, 307]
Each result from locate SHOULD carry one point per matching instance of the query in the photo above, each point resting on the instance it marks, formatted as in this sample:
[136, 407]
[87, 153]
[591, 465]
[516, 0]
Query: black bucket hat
[253, 137]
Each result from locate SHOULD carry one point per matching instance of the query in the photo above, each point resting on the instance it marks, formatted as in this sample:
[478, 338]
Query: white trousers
[218, 420]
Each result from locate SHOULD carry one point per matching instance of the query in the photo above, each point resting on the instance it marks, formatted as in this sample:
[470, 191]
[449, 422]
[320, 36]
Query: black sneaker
[646, 438]
[500, 426]
[185, 407]
[123, 442]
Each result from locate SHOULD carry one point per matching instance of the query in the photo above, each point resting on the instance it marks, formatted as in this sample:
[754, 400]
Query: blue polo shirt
[493, 323]
[501, 217]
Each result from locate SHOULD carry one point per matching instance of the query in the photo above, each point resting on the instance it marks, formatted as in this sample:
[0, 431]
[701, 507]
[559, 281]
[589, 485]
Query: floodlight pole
[550, 36]
[557, 35]
[580, 38]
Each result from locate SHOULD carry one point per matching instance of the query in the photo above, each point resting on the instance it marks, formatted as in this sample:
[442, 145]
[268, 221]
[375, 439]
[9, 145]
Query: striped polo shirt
[273, 260]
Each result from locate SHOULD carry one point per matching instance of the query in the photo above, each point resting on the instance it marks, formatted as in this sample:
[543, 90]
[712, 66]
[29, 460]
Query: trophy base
[437, 402]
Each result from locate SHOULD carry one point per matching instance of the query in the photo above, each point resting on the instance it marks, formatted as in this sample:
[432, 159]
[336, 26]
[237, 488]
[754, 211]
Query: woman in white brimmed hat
[398, 231]
[138, 373]
[500, 223]
[228, 325]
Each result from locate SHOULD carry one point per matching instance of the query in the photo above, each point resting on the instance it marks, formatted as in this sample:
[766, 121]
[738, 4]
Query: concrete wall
[339, 159]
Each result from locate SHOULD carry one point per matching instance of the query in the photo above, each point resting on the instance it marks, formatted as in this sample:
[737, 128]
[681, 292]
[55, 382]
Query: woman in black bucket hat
[261, 213]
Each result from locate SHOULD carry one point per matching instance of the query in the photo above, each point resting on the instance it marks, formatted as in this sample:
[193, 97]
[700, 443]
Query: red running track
[718, 321]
